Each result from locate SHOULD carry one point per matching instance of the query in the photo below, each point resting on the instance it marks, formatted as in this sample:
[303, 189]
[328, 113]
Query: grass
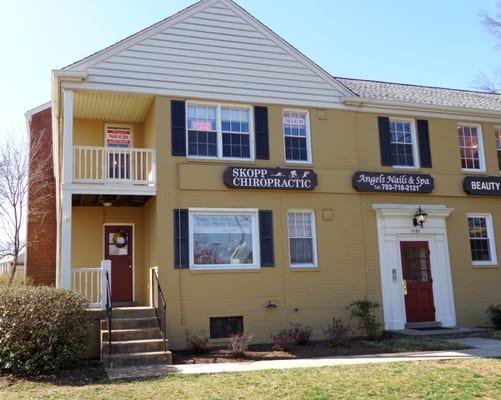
[457, 379]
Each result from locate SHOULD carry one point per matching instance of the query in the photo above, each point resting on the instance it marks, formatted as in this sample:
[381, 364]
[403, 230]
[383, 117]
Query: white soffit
[111, 106]
[213, 49]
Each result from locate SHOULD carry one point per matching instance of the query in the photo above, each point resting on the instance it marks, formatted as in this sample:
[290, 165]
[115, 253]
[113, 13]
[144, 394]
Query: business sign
[392, 182]
[118, 136]
[270, 178]
[486, 185]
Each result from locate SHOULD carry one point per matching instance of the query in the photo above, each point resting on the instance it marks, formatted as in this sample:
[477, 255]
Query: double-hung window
[471, 148]
[481, 235]
[302, 241]
[215, 131]
[297, 136]
[498, 145]
[403, 143]
[224, 239]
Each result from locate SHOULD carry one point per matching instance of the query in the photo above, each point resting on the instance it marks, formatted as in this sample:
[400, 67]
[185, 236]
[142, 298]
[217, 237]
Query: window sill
[474, 171]
[405, 167]
[487, 265]
[305, 267]
[221, 160]
[220, 270]
[293, 162]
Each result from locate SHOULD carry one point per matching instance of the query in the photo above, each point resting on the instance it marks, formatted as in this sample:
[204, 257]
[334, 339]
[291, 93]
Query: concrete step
[133, 312]
[134, 346]
[133, 359]
[132, 334]
[130, 323]
[422, 325]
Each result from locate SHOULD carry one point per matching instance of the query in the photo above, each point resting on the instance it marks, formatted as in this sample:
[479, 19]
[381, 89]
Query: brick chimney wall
[41, 221]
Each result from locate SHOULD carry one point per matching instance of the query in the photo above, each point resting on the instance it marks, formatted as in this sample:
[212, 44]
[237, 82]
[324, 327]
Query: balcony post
[66, 240]
[68, 99]
[105, 267]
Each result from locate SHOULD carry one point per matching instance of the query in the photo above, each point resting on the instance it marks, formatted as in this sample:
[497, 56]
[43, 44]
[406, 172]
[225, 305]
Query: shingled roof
[423, 94]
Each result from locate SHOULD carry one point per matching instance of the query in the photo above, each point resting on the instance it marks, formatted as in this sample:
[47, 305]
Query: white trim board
[394, 224]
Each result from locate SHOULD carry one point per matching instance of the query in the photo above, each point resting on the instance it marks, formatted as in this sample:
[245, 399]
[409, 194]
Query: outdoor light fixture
[420, 217]
[107, 203]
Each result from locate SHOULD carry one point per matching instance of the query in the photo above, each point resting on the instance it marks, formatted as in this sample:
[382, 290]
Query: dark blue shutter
[424, 143]
[385, 141]
[178, 127]
[266, 238]
[181, 239]
[261, 132]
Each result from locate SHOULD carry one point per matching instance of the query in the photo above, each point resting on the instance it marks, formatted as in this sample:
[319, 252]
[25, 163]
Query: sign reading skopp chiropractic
[270, 178]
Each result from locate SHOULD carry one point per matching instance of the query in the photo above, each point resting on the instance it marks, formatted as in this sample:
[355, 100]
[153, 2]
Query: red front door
[118, 249]
[419, 305]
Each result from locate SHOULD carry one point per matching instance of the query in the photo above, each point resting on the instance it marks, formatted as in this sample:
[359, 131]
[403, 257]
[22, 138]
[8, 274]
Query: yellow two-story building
[207, 157]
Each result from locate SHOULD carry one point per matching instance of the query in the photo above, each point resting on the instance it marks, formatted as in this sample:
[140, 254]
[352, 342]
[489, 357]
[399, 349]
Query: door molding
[394, 225]
[133, 227]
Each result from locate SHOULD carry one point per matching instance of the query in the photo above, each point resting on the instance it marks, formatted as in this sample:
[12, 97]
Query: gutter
[369, 102]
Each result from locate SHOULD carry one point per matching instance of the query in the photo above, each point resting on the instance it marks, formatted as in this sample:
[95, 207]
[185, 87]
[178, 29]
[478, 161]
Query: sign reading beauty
[270, 178]
[486, 185]
[392, 182]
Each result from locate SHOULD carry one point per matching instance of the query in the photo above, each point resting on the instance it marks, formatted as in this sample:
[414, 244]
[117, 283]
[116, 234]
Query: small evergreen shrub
[198, 343]
[494, 314]
[239, 343]
[337, 333]
[42, 329]
[365, 311]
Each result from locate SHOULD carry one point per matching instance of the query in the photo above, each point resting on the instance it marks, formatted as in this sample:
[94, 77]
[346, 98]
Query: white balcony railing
[90, 283]
[114, 165]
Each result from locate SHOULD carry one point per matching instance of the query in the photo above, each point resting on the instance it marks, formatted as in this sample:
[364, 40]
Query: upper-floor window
[471, 148]
[482, 244]
[297, 136]
[215, 131]
[498, 145]
[403, 143]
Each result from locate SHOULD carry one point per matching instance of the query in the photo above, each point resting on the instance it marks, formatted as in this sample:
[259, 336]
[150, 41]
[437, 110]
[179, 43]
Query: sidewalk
[482, 348]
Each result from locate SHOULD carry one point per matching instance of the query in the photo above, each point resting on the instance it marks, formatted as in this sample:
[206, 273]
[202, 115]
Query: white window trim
[219, 131]
[490, 235]
[308, 137]
[314, 239]
[415, 144]
[254, 212]
[481, 152]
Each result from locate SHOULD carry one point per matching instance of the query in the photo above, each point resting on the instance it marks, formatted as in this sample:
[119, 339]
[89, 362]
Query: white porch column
[68, 100]
[66, 240]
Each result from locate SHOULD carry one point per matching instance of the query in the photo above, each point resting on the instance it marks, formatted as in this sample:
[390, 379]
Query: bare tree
[13, 192]
[492, 83]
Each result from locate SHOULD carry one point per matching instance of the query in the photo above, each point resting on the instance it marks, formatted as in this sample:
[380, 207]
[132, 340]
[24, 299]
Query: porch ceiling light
[420, 217]
[107, 203]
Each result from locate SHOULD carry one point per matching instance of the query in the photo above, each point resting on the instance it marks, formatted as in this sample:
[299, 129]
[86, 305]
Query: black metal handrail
[159, 305]
[109, 306]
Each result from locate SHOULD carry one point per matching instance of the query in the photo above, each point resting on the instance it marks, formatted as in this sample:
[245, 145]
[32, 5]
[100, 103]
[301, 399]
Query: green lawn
[459, 379]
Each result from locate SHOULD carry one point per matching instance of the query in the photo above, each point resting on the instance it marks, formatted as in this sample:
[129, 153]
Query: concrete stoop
[136, 339]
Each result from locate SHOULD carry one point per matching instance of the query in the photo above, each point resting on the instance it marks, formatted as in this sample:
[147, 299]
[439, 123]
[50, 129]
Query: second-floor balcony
[110, 165]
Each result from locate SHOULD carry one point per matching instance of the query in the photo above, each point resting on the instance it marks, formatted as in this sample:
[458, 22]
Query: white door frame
[394, 225]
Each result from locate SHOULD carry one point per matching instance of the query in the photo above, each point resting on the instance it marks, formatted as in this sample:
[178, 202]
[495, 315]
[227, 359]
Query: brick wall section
[41, 222]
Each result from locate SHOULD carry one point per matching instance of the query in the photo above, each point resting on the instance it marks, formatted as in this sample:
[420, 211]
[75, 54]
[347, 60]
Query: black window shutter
[424, 143]
[178, 127]
[261, 133]
[385, 140]
[266, 238]
[181, 239]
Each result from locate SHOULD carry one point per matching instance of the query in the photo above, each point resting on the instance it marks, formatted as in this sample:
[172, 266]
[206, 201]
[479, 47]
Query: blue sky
[429, 42]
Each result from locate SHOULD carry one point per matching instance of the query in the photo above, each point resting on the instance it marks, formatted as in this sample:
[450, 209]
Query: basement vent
[224, 327]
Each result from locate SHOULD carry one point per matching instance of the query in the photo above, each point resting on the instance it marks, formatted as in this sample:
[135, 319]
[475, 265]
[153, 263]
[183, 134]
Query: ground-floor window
[302, 241]
[482, 244]
[224, 327]
[224, 239]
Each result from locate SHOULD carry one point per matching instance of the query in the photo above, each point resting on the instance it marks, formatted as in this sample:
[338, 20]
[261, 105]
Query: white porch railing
[114, 165]
[91, 283]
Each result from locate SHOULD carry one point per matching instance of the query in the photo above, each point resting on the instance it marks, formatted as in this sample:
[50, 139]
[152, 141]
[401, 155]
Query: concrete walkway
[487, 348]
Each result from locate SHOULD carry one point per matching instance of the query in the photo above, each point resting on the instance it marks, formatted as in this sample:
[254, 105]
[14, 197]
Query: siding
[217, 52]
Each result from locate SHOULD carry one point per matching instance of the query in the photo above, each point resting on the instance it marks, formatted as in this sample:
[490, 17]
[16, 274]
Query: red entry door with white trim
[118, 249]
[419, 304]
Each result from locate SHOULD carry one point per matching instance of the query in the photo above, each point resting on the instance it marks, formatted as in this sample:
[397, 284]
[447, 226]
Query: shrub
[295, 334]
[239, 343]
[494, 314]
[198, 343]
[365, 311]
[337, 333]
[42, 329]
